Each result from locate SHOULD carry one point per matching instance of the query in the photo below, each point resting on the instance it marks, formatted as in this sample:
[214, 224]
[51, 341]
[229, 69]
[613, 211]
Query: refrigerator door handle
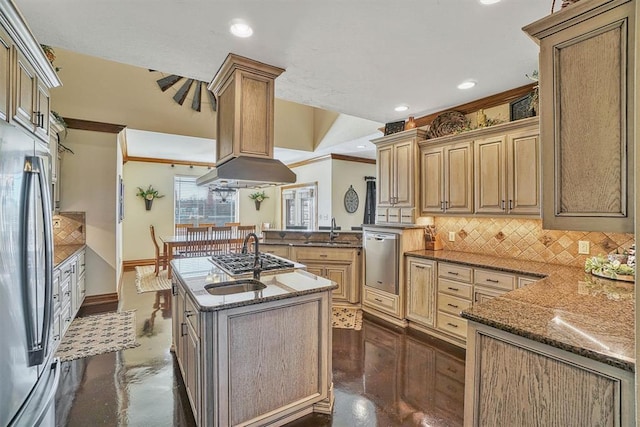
[38, 345]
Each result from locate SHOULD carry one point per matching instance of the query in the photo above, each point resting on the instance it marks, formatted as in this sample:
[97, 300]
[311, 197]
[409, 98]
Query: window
[299, 206]
[200, 205]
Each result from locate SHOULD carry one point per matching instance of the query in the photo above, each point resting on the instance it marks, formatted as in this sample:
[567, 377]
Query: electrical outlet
[583, 247]
[452, 236]
[56, 223]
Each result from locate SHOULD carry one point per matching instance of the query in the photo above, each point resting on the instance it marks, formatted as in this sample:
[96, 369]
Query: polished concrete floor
[382, 377]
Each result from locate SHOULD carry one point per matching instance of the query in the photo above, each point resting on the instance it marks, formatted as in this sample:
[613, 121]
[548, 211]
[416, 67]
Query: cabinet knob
[453, 325]
[421, 267]
[378, 299]
[454, 273]
[510, 204]
[453, 289]
[503, 205]
[188, 313]
[493, 280]
[452, 305]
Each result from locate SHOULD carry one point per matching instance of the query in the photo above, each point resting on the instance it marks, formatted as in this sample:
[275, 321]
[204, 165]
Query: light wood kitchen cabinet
[587, 94]
[6, 74]
[32, 99]
[447, 177]
[342, 265]
[496, 394]
[507, 173]
[277, 250]
[397, 189]
[421, 290]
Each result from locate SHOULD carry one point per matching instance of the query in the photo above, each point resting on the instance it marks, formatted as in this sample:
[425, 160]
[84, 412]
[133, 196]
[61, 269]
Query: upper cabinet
[587, 67]
[27, 75]
[488, 171]
[398, 186]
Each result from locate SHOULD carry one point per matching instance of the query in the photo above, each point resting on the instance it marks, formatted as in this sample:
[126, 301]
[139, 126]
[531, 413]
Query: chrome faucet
[257, 264]
[332, 233]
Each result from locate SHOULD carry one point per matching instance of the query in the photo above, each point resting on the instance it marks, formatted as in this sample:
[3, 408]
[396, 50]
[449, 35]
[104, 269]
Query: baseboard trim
[99, 303]
[132, 263]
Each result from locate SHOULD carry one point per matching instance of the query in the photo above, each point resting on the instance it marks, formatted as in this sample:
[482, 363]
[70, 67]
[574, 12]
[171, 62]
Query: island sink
[235, 287]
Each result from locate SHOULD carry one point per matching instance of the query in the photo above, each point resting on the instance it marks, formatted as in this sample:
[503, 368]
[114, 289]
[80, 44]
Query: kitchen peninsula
[255, 357]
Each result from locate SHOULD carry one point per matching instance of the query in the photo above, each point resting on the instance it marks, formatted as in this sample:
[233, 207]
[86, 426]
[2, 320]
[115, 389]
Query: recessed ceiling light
[467, 84]
[240, 28]
[361, 146]
[489, 1]
[400, 108]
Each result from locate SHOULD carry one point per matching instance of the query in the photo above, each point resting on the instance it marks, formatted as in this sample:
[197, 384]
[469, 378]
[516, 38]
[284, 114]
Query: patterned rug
[346, 318]
[146, 281]
[102, 333]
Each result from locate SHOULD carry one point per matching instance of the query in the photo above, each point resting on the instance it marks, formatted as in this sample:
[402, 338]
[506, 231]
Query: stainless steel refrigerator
[28, 372]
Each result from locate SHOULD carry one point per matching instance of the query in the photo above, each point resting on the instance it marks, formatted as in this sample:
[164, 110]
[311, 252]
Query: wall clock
[351, 200]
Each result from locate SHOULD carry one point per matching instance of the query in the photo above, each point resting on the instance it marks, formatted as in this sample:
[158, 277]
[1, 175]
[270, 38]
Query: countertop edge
[78, 249]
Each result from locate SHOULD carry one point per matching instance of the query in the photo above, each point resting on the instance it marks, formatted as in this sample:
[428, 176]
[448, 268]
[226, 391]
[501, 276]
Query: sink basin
[235, 287]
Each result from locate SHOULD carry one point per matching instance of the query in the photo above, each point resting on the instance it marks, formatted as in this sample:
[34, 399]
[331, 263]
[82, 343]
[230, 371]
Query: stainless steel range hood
[248, 172]
[245, 91]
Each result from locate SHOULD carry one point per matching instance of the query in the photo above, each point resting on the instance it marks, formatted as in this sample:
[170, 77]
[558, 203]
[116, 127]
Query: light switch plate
[452, 236]
[583, 247]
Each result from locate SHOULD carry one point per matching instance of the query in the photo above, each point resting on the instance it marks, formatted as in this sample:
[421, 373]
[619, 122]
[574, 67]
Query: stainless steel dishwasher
[381, 261]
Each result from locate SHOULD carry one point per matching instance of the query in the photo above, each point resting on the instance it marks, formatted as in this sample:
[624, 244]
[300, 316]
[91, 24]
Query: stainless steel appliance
[28, 371]
[238, 263]
[381, 260]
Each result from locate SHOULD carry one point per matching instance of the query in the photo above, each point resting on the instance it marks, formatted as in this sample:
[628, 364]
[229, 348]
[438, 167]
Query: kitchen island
[256, 357]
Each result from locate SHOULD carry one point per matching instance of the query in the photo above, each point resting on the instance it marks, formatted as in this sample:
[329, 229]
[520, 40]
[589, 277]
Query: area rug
[102, 333]
[146, 280]
[346, 318]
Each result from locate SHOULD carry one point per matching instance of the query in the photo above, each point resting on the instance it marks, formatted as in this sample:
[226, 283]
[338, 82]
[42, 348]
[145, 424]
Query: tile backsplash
[525, 239]
[69, 228]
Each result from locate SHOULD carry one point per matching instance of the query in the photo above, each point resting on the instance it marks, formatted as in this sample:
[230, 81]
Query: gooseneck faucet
[257, 266]
[332, 233]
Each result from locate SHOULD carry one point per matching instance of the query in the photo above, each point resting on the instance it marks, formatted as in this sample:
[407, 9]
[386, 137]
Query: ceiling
[359, 58]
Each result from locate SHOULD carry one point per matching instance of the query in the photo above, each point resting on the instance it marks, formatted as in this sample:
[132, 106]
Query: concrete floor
[382, 376]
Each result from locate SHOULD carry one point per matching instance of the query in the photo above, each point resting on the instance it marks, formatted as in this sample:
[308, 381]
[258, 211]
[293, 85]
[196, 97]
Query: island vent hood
[245, 89]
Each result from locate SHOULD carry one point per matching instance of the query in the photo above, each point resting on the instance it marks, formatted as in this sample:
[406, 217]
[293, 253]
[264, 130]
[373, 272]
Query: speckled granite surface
[62, 252]
[314, 244]
[196, 273]
[568, 309]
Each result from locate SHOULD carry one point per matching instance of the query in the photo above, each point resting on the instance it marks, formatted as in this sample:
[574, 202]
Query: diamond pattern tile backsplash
[72, 230]
[525, 239]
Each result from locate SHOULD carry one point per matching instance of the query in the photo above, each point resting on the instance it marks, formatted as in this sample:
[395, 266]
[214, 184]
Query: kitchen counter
[314, 244]
[63, 252]
[567, 308]
[196, 273]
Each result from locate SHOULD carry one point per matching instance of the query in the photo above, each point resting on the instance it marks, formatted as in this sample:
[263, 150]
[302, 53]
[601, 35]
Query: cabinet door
[42, 110]
[490, 175]
[339, 274]
[481, 294]
[179, 326]
[432, 175]
[318, 270]
[523, 173]
[587, 93]
[385, 176]
[421, 291]
[5, 75]
[403, 173]
[459, 178]
[24, 95]
[192, 368]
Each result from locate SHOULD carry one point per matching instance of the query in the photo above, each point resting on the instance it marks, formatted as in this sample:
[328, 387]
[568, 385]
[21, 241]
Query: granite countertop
[63, 252]
[320, 244]
[196, 273]
[567, 308]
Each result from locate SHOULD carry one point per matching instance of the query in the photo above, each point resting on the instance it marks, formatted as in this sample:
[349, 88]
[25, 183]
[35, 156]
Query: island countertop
[567, 308]
[196, 273]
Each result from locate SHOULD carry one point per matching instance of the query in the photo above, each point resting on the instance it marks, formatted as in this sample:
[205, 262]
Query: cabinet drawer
[56, 335]
[452, 324]
[452, 305]
[495, 279]
[323, 254]
[381, 215]
[65, 318]
[455, 272]
[393, 214]
[407, 215]
[80, 263]
[461, 290]
[524, 281]
[450, 367]
[192, 315]
[281, 251]
[383, 301]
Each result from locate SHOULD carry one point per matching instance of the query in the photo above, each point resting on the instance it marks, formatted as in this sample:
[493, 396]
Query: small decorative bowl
[622, 258]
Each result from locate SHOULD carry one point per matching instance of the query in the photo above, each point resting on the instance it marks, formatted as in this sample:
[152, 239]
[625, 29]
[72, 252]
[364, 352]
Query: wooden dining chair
[243, 231]
[221, 239]
[181, 229]
[198, 242]
[161, 256]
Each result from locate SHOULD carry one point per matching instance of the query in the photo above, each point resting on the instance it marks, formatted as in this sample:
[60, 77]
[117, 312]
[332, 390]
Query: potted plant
[258, 197]
[148, 195]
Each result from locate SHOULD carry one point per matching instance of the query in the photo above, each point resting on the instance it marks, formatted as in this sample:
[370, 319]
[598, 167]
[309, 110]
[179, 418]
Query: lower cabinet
[437, 292]
[498, 392]
[277, 250]
[342, 265]
[68, 294]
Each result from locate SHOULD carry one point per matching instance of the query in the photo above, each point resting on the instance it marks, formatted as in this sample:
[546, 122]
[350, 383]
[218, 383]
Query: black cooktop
[238, 263]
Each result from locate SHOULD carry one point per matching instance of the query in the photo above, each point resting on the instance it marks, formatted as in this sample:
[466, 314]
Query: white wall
[344, 174]
[320, 173]
[267, 213]
[88, 183]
